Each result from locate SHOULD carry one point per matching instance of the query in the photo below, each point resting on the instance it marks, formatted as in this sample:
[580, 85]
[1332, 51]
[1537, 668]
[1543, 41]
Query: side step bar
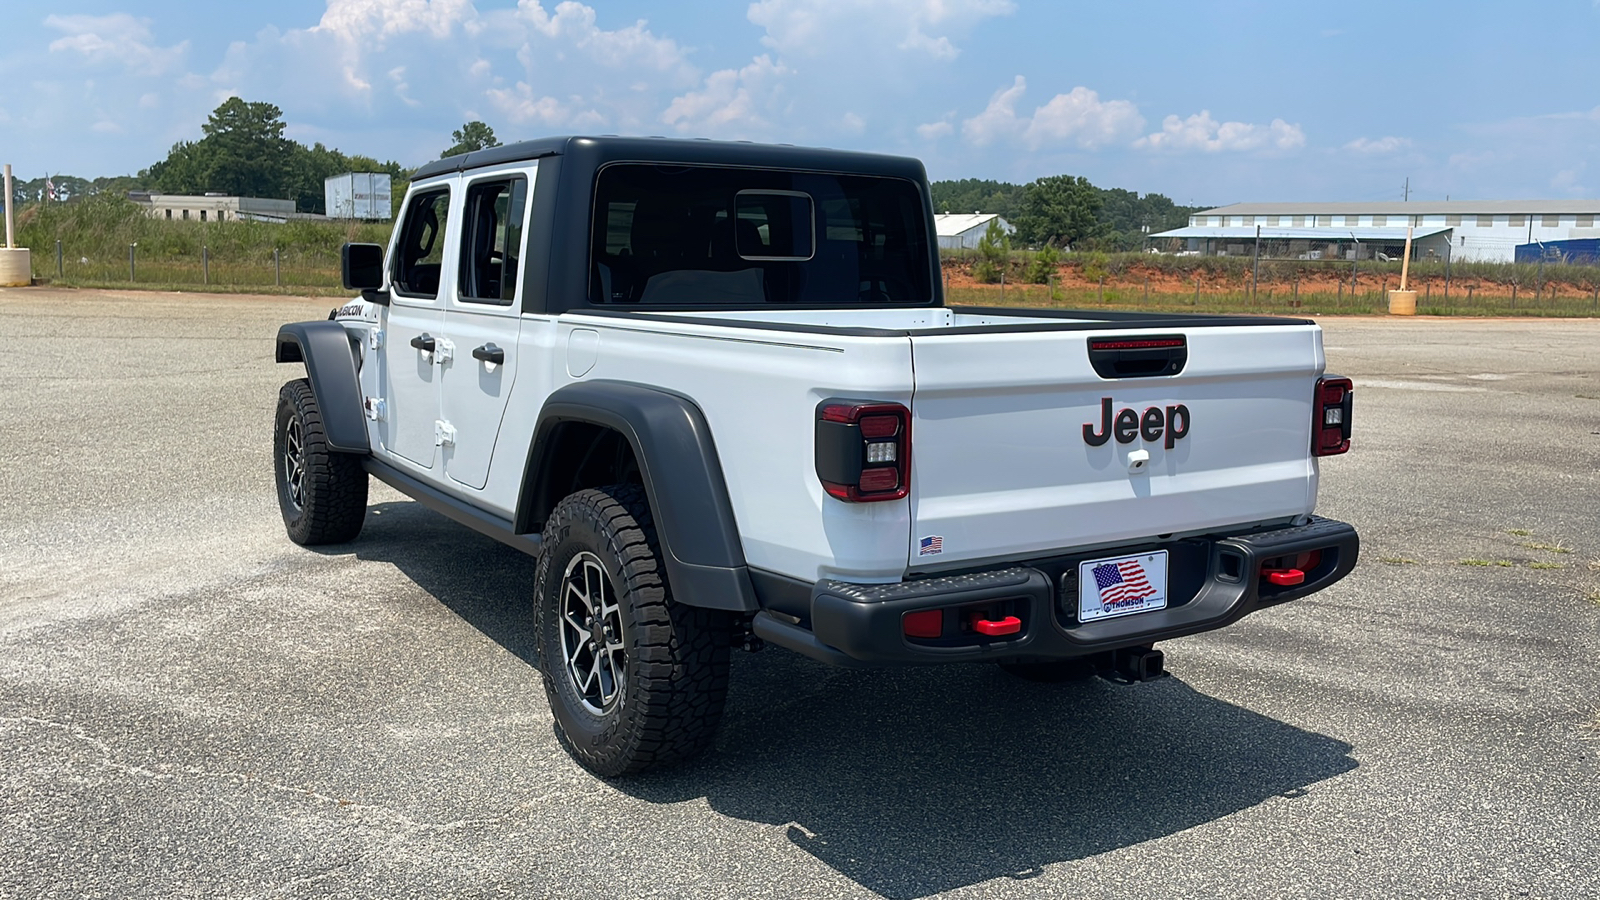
[462, 513]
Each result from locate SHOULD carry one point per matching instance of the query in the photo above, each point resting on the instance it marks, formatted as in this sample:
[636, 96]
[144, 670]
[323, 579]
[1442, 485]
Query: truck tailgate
[1001, 466]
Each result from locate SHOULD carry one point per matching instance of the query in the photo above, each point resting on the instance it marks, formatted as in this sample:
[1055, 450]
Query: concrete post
[11, 220]
[16, 263]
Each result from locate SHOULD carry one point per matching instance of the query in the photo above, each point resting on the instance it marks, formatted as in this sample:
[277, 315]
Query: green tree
[1126, 215]
[243, 153]
[472, 136]
[1059, 210]
[1043, 265]
[995, 248]
[970, 195]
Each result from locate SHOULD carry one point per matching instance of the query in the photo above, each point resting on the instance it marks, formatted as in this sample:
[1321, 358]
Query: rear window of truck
[702, 236]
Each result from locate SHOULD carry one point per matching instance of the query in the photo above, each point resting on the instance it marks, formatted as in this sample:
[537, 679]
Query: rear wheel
[634, 679]
[322, 493]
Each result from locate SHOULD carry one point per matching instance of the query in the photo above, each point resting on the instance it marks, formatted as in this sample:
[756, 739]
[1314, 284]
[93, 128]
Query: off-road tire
[675, 675]
[329, 503]
[1054, 672]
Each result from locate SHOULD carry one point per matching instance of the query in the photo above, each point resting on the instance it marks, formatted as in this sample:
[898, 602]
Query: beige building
[212, 207]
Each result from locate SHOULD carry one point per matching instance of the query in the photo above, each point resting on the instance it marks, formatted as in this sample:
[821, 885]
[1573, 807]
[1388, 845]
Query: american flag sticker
[930, 545]
[1117, 587]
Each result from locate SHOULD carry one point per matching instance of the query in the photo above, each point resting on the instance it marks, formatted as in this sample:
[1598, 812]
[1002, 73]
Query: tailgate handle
[1138, 357]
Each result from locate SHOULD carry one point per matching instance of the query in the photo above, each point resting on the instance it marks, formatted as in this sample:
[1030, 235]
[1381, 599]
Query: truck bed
[1001, 468]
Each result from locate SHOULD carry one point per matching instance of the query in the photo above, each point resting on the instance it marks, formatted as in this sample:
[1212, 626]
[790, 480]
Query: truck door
[481, 323]
[408, 374]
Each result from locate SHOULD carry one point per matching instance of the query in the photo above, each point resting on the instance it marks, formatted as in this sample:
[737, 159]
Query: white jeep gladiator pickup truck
[714, 388]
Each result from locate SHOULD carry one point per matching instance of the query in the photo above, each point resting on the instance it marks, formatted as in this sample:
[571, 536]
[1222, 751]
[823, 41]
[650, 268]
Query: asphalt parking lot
[192, 706]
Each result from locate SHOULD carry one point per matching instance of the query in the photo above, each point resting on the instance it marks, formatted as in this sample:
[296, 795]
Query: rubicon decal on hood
[1155, 424]
[356, 310]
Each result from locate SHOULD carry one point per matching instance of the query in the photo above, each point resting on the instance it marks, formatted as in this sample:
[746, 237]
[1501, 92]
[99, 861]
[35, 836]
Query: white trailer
[357, 195]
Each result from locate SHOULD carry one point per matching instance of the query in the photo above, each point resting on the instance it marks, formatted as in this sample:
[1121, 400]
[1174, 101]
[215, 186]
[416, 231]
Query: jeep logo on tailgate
[1171, 423]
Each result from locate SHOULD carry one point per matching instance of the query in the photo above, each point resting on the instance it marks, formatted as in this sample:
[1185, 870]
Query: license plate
[1122, 585]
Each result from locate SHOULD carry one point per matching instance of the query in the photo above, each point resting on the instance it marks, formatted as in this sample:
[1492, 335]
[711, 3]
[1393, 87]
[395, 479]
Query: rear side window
[703, 236]
[491, 242]
[419, 255]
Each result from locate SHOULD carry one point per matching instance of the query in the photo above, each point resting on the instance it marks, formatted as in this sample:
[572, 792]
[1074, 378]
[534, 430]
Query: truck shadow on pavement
[916, 781]
[487, 584]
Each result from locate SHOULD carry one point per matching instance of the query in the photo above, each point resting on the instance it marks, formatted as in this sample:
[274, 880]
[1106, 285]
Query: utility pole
[1255, 265]
[1406, 197]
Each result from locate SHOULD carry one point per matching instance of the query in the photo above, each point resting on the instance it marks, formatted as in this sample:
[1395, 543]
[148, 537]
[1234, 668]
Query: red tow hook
[1284, 577]
[997, 628]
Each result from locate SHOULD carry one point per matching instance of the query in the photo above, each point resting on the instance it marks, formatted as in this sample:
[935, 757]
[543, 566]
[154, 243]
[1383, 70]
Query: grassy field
[1231, 284]
[95, 236]
[1274, 301]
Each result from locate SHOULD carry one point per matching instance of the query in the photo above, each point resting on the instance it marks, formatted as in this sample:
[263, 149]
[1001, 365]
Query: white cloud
[934, 130]
[401, 88]
[117, 38]
[1207, 135]
[811, 28]
[1383, 145]
[523, 107]
[573, 25]
[1567, 181]
[415, 65]
[360, 20]
[731, 101]
[1078, 118]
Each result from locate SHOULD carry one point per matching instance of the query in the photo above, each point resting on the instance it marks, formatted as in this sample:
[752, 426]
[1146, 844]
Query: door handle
[423, 342]
[489, 353]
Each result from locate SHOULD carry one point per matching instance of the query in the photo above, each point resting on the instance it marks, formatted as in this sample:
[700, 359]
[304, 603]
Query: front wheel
[634, 679]
[322, 493]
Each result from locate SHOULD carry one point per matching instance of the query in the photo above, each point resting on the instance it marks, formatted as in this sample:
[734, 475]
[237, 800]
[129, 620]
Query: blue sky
[1208, 103]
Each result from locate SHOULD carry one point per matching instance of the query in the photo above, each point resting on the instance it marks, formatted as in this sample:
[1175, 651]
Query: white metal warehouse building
[963, 231]
[1456, 229]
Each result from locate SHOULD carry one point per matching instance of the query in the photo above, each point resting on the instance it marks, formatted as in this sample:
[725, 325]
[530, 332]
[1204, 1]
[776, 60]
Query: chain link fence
[259, 267]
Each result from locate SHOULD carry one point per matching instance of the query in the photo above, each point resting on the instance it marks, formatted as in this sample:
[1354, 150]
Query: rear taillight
[864, 450]
[1330, 423]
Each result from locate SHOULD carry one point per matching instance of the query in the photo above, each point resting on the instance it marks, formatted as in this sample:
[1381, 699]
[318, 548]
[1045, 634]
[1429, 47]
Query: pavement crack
[364, 811]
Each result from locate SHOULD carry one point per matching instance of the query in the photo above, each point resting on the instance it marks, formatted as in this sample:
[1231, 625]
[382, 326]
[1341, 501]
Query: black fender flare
[330, 363]
[682, 477]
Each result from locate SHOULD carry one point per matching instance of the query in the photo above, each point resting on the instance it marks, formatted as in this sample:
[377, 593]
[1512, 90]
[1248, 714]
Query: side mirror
[361, 267]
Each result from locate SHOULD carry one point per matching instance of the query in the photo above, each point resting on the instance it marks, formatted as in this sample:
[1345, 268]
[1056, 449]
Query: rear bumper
[1212, 582]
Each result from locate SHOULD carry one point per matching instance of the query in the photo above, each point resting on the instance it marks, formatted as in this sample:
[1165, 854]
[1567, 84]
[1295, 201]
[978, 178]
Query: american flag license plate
[1122, 585]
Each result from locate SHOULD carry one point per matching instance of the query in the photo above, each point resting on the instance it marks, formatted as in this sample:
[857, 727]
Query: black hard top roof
[593, 152]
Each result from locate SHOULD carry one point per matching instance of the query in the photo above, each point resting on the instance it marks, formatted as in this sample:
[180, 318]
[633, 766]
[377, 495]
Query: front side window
[703, 236]
[491, 245]
[419, 255]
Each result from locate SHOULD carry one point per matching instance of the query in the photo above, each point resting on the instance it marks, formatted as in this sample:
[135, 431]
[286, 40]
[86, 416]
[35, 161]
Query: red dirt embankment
[1326, 279]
